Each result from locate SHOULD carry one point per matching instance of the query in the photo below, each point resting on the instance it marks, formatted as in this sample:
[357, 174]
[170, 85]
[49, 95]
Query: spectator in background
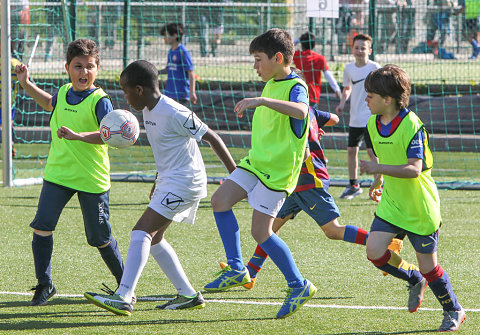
[438, 19]
[350, 19]
[107, 18]
[405, 25]
[312, 65]
[54, 24]
[211, 23]
[471, 10]
[386, 29]
[20, 16]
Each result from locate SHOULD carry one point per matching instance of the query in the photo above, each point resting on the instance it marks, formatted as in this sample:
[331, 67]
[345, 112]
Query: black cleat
[43, 292]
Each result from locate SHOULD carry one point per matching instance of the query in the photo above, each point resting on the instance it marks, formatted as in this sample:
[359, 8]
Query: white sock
[167, 258]
[137, 257]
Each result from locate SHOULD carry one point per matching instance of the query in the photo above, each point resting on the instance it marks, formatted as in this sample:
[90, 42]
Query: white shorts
[173, 206]
[260, 197]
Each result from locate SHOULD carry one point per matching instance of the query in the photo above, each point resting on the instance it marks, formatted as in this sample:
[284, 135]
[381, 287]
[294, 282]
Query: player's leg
[53, 199]
[381, 235]
[96, 214]
[167, 259]
[355, 136]
[228, 194]
[438, 280]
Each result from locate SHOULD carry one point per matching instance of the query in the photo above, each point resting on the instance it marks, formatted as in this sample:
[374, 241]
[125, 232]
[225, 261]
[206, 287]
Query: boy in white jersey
[409, 203]
[353, 86]
[173, 132]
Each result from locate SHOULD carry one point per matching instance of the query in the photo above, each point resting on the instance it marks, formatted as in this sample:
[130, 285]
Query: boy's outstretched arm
[41, 97]
[92, 137]
[220, 149]
[297, 110]
[412, 169]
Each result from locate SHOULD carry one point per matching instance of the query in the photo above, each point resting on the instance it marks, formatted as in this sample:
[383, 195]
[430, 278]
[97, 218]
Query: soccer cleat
[296, 298]
[184, 302]
[452, 320]
[43, 292]
[109, 291]
[249, 285]
[396, 246]
[415, 296]
[112, 303]
[227, 279]
[351, 192]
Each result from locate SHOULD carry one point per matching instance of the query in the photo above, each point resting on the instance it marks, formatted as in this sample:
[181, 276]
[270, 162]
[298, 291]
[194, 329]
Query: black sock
[42, 247]
[111, 256]
[354, 182]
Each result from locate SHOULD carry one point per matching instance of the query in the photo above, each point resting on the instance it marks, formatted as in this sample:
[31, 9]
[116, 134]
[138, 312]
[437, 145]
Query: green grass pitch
[353, 296]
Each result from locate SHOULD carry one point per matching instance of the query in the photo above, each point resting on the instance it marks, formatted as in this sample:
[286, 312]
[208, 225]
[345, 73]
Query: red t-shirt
[312, 65]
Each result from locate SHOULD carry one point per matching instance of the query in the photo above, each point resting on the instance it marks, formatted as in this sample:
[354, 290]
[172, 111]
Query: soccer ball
[119, 129]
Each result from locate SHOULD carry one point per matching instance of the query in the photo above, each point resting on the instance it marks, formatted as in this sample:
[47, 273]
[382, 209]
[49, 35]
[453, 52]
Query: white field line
[241, 302]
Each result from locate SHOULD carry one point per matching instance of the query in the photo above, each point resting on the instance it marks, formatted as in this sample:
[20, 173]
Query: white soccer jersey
[173, 132]
[354, 77]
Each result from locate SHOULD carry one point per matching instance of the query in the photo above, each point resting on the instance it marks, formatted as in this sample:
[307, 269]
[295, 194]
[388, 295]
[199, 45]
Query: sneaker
[452, 320]
[296, 298]
[351, 192]
[184, 302]
[396, 246]
[248, 286]
[227, 279]
[109, 291]
[415, 296]
[112, 303]
[43, 292]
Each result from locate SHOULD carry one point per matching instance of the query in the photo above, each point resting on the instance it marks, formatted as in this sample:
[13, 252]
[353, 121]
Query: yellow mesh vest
[412, 204]
[277, 154]
[76, 164]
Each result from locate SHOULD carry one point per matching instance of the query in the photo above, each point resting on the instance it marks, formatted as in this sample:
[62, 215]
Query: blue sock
[111, 256]
[440, 284]
[230, 233]
[354, 234]
[281, 255]
[42, 247]
[474, 44]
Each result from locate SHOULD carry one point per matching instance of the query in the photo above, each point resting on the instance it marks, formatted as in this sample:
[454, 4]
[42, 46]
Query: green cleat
[184, 302]
[112, 303]
[228, 278]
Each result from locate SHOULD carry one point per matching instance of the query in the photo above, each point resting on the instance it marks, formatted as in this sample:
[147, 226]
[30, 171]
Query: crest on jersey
[192, 124]
[172, 201]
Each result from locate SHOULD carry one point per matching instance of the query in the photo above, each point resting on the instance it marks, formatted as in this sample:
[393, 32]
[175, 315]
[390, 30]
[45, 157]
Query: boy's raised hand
[22, 73]
[246, 103]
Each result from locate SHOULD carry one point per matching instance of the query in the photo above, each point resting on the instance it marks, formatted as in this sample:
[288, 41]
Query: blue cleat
[228, 278]
[296, 298]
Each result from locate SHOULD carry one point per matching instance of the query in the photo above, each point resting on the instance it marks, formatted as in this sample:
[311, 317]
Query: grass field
[353, 297]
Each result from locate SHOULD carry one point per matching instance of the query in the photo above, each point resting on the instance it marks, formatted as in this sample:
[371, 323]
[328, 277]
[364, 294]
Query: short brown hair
[273, 41]
[172, 29]
[83, 47]
[390, 81]
[362, 37]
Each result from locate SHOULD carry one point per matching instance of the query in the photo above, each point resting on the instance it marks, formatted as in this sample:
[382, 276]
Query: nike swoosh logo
[173, 201]
[50, 289]
[424, 245]
[442, 296]
[356, 82]
[311, 208]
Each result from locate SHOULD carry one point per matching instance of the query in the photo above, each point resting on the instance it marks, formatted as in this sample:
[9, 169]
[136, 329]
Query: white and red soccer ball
[119, 129]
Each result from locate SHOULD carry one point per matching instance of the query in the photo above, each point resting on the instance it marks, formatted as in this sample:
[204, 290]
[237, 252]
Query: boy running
[173, 132]
[270, 171]
[409, 202]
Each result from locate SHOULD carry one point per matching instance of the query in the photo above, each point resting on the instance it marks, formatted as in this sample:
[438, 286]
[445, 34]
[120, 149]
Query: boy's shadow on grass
[386, 333]
[281, 298]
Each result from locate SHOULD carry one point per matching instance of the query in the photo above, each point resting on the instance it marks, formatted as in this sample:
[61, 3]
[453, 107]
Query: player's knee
[219, 203]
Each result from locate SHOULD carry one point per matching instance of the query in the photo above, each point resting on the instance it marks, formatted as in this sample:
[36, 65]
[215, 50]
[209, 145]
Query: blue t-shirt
[297, 94]
[415, 148]
[178, 65]
[104, 105]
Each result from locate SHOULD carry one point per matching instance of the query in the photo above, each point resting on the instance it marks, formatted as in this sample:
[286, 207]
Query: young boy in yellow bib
[409, 202]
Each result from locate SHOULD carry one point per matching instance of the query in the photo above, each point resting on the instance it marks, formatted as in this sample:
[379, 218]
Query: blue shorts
[424, 244]
[316, 202]
[95, 210]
